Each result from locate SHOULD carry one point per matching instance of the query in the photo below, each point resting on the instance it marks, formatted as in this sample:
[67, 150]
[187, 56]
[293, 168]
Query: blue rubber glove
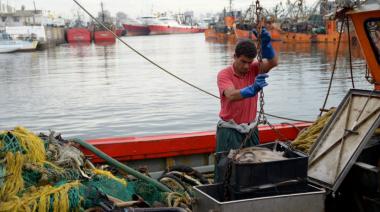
[267, 50]
[252, 90]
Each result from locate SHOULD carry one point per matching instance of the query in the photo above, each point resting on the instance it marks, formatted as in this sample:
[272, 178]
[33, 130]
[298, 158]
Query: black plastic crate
[248, 175]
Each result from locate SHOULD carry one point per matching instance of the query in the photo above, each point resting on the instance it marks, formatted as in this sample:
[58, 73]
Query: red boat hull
[120, 32]
[164, 146]
[104, 37]
[134, 30]
[246, 34]
[164, 30]
[78, 35]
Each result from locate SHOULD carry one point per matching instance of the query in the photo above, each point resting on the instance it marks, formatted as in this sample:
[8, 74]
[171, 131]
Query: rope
[333, 71]
[14, 182]
[307, 138]
[44, 198]
[349, 51]
[163, 69]
[175, 199]
[110, 175]
[34, 146]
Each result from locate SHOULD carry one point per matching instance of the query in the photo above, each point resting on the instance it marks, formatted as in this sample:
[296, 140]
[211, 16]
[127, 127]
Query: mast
[35, 11]
[101, 5]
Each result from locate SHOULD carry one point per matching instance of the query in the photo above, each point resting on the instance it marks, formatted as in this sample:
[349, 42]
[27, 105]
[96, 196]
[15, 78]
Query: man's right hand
[258, 85]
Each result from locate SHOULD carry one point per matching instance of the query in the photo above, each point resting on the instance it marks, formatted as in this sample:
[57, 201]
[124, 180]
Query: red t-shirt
[241, 111]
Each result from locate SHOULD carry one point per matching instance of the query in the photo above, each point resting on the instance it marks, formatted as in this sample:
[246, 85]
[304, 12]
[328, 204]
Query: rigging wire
[166, 71]
[333, 71]
[350, 51]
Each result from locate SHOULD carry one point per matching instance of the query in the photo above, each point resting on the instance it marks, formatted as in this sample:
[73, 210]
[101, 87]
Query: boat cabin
[366, 20]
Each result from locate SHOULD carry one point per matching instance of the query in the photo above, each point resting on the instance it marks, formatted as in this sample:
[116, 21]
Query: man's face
[241, 64]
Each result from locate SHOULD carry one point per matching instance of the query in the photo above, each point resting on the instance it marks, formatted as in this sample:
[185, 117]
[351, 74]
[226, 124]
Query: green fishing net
[9, 143]
[94, 189]
[147, 191]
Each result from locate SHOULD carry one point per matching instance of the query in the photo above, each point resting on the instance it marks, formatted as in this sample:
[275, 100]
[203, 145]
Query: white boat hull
[17, 45]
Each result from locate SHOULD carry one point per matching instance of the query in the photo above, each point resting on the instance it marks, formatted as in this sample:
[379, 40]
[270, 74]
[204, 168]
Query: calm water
[95, 91]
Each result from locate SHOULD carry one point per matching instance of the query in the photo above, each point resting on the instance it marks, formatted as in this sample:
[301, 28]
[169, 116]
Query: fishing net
[9, 144]
[47, 173]
[148, 192]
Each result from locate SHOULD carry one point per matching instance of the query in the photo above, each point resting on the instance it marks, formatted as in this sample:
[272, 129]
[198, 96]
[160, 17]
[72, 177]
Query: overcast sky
[135, 7]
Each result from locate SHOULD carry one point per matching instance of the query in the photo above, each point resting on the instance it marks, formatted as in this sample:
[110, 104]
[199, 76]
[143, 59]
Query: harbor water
[94, 91]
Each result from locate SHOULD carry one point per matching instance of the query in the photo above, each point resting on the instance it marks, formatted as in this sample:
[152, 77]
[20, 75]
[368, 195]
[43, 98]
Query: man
[238, 86]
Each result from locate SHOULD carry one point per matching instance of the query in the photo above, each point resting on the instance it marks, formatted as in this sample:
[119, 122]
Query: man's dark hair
[247, 48]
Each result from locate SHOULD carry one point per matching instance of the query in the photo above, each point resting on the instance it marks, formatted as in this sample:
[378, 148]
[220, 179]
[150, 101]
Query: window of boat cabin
[372, 27]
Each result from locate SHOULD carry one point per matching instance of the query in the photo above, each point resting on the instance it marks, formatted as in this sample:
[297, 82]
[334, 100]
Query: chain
[226, 182]
[261, 119]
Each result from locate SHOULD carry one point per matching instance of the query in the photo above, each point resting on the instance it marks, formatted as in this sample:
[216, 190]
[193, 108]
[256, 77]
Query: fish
[256, 155]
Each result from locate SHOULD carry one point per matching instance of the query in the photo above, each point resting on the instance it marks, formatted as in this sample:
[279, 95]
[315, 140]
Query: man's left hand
[267, 50]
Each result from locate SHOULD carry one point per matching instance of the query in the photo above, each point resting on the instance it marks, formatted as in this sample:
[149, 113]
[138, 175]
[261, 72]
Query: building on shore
[36, 24]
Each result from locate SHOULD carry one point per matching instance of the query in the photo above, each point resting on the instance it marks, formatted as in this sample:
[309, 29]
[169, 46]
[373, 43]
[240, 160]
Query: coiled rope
[307, 137]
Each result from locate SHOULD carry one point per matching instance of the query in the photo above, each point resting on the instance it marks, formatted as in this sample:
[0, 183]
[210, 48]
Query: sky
[134, 8]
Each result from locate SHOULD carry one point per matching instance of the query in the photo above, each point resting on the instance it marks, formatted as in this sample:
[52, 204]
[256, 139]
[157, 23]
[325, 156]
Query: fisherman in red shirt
[238, 86]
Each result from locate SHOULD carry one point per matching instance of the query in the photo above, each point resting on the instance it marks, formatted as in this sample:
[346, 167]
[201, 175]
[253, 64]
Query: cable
[143, 56]
[334, 67]
[163, 69]
[349, 51]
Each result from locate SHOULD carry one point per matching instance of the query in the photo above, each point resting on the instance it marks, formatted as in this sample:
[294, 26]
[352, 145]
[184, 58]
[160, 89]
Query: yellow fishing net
[30, 182]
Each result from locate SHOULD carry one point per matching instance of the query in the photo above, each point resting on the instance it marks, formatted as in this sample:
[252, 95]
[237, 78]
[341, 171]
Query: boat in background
[120, 31]
[222, 30]
[101, 35]
[78, 32]
[244, 33]
[331, 35]
[78, 35]
[168, 25]
[246, 23]
[204, 23]
[316, 25]
[8, 44]
[138, 26]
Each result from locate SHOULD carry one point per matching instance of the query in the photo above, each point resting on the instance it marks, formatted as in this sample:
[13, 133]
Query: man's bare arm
[267, 65]
[232, 94]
